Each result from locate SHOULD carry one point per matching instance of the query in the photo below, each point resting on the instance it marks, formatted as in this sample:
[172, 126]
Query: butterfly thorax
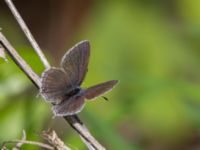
[74, 91]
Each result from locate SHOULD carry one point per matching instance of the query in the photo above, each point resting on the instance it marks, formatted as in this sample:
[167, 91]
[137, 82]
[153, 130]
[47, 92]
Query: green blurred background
[152, 47]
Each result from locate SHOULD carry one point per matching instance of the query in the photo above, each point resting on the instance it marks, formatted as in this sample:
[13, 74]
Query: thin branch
[27, 32]
[30, 142]
[54, 140]
[89, 140]
[19, 145]
[74, 121]
[2, 53]
[20, 61]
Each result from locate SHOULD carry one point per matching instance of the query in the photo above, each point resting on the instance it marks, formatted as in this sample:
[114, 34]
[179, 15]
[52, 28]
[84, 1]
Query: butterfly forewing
[75, 62]
[55, 85]
[70, 106]
[99, 89]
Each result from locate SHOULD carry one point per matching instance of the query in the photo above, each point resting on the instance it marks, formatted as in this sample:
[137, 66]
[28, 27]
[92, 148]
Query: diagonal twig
[27, 33]
[20, 61]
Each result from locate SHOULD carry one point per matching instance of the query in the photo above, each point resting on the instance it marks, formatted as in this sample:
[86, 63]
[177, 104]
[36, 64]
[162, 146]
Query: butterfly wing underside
[69, 107]
[99, 89]
[55, 84]
[75, 62]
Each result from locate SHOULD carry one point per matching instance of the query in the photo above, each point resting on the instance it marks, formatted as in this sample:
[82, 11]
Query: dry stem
[27, 33]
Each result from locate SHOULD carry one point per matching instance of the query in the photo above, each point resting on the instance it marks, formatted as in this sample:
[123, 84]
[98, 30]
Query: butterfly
[61, 86]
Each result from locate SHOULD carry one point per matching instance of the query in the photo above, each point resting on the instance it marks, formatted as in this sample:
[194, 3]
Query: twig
[54, 140]
[20, 61]
[27, 33]
[30, 142]
[19, 145]
[2, 54]
[89, 140]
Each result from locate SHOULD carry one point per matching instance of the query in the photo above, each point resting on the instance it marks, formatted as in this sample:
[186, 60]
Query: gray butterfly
[61, 86]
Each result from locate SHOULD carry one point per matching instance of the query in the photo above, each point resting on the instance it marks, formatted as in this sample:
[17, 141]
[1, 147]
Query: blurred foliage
[155, 55]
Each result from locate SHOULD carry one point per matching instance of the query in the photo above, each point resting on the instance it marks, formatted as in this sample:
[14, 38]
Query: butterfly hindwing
[55, 85]
[99, 89]
[71, 106]
[75, 62]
